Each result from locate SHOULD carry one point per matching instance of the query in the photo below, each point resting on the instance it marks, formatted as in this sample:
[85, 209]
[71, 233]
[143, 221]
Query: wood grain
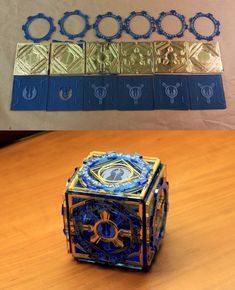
[199, 247]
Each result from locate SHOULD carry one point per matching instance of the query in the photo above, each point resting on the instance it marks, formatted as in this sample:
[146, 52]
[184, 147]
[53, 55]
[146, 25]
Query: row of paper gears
[123, 25]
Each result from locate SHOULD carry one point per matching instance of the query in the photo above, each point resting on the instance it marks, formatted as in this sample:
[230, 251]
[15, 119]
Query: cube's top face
[115, 174]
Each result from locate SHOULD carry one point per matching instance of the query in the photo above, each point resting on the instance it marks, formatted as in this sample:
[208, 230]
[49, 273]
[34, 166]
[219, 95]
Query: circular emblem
[115, 172]
[107, 231]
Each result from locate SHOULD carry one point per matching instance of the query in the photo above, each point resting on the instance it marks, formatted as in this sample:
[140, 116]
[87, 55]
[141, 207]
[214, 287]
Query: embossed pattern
[204, 58]
[67, 58]
[187, 57]
[137, 58]
[32, 59]
[102, 58]
[170, 56]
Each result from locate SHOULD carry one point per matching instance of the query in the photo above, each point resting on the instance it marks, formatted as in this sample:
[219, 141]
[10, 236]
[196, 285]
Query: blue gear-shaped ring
[199, 36]
[31, 19]
[145, 15]
[87, 25]
[99, 18]
[160, 29]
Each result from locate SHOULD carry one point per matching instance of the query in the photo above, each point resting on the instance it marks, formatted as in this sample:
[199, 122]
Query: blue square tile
[29, 93]
[171, 92]
[65, 93]
[135, 93]
[100, 92]
[206, 92]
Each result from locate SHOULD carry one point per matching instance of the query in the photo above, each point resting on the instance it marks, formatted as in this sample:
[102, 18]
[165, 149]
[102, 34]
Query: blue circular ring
[161, 31]
[199, 36]
[87, 25]
[31, 19]
[122, 187]
[99, 18]
[150, 19]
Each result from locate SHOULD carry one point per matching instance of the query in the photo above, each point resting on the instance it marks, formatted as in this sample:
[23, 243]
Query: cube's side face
[156, 209]
[103, 230]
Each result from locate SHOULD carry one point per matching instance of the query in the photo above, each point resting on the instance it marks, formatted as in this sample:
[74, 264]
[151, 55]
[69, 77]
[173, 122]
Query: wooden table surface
[199, 247]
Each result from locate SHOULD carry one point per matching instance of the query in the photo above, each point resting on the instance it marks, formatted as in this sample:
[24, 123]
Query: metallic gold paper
[204, 58]
[136, 58]
[187, 57]
[132, 58]
[32, 59]
[102, 58]
[170, 56]
[67, 59]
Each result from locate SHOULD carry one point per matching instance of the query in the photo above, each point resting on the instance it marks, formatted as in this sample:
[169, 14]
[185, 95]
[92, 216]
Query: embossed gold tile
[170, 56]
[32, 59]
[204, 58]
[136, 58]
[102, 58]
[67, 58]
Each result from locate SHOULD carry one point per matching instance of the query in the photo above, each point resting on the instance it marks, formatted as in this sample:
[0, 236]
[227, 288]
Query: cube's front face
[115, 209]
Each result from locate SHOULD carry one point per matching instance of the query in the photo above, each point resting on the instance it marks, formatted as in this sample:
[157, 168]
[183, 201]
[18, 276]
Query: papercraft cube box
[115, 209]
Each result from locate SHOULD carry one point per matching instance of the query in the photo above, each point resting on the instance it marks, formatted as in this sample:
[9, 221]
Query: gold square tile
[204, 58]
[170, 56]
[136, 58]
[102, 58]
[32, 59]
[67, 58]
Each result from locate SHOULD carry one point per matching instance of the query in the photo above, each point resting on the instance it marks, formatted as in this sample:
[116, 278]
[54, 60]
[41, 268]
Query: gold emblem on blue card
[67, 59]
[32, 59]
[115, 209]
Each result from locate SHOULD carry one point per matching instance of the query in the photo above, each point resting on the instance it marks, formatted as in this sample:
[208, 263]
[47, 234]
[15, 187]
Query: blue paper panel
[171, 92]
[206, 92]
[65, 93]
[100, 92]
[135, 93]
[29, 93]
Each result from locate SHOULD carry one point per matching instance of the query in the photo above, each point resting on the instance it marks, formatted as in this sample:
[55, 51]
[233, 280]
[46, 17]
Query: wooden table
[199, 247]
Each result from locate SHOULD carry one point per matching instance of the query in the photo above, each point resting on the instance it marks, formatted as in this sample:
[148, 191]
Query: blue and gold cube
[115, 209]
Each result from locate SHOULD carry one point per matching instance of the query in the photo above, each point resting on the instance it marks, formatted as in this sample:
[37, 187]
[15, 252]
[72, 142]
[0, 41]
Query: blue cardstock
[171, 92]
[29, 93]
[100, 92]
[135, 93]
[206, 92]
[65, 93]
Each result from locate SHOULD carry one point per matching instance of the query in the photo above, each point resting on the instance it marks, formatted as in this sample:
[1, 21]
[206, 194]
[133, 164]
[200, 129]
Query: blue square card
[65, 93]
[135, 93]
[171, 92]
[29, 93]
